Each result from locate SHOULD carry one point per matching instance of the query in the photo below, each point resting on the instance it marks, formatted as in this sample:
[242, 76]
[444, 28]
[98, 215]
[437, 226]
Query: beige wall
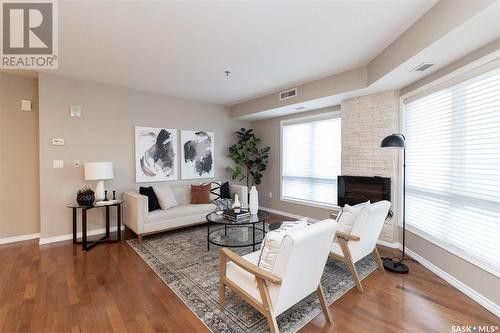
[105, 132]
[19, 198]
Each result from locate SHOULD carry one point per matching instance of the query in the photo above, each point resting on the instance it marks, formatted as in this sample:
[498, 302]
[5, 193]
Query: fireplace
[353, 190]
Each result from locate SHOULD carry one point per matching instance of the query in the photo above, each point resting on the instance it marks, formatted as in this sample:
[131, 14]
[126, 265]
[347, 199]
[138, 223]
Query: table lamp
[99, 171]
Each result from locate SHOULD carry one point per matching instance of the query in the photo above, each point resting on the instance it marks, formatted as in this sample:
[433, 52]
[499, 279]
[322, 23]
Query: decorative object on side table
[99, 171]
[85, 196]
[253, 206]
[247, 154]
[236, 204]
[397, 141]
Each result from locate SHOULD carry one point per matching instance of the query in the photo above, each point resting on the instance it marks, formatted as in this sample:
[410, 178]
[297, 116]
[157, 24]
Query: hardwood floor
[57, 288]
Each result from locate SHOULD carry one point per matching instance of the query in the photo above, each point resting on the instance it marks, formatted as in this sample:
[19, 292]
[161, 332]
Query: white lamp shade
[98, 170]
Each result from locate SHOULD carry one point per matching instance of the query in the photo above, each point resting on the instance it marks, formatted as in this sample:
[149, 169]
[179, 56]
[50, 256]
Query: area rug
[181, 260]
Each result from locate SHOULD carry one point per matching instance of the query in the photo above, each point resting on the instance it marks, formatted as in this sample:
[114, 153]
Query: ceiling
[183, 48]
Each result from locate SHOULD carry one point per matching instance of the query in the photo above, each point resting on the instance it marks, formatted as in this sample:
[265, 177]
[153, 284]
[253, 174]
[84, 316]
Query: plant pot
[85, 199]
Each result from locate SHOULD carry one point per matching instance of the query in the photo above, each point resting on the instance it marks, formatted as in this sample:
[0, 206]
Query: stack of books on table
[231, 215]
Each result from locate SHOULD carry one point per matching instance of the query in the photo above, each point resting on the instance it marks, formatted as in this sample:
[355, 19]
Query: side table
[86, 245]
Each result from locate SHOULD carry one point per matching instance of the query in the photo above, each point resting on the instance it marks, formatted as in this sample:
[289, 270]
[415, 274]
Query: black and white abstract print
[197, 154]
[155, 154]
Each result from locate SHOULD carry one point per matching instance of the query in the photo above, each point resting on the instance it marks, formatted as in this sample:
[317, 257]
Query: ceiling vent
[288, 94]
[422, 67]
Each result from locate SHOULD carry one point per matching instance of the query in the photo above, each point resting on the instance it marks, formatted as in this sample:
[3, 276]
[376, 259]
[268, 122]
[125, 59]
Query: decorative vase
[236, 204]
[253, 206]
[85, 199]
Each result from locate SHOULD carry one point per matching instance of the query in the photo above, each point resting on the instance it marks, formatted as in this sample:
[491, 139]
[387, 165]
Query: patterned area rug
[181, 260]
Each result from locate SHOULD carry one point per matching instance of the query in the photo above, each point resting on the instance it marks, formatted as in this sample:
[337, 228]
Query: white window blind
[453, 168]
[311, 160]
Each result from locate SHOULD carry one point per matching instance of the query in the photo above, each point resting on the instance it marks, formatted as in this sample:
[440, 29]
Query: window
[310, 159]
[453, 169]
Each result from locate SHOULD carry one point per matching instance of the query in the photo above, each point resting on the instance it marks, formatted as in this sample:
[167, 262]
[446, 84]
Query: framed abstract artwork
[155, 154]
[197, 154]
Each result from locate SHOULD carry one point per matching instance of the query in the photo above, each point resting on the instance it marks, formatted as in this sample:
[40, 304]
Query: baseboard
[20, 238]
[280, 212]
[55, 239]
[394, 245]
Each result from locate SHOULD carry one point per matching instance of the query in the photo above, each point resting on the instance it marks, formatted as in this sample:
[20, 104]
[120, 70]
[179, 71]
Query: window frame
[417, 94]
[299, 120]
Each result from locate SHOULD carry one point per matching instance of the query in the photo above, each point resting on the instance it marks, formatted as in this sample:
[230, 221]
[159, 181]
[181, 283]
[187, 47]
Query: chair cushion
[152, 199]
[246, 280]
[179, 211]
[200, 194]
[165, 196]
[272, 243]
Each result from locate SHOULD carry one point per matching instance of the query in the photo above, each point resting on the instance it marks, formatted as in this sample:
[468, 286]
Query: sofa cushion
[165, 196]
[152, 199]
[182, 194]
[180, 211]
[200, 194]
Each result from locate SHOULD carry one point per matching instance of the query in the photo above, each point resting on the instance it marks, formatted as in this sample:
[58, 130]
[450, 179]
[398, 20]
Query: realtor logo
[29, 34]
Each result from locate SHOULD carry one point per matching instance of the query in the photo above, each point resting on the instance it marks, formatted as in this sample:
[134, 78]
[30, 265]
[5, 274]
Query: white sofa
[142, 222]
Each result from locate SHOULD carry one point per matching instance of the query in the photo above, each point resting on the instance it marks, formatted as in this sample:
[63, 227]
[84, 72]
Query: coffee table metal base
[235, 235]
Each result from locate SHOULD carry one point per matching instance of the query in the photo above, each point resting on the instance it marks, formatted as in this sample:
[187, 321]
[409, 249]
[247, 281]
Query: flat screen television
[353, 190]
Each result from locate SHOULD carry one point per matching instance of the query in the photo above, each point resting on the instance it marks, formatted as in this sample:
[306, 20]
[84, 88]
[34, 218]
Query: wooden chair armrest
[347, 236]
[228, 255]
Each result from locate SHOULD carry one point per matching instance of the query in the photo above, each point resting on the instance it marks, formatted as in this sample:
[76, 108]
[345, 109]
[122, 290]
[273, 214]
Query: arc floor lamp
[397, 141]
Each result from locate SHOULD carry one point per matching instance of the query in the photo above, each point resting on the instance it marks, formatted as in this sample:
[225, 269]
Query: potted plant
[251, 160]
[85, 196]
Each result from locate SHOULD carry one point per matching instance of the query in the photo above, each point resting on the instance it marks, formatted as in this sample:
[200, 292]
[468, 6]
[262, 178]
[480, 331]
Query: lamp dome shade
[394, 141]
[98, 170]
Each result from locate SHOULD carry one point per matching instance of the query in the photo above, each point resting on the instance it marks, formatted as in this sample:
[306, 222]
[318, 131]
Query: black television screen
[353, 190]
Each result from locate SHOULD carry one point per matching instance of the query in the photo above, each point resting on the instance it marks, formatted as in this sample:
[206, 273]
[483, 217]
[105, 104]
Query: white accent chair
[296, 272]
[362, 240]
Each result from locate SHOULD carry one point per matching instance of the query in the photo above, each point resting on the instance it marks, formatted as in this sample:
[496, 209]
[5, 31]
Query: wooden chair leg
[266, 302]
[378, 260]
[350, 263]
[324, 305]
[222, 287]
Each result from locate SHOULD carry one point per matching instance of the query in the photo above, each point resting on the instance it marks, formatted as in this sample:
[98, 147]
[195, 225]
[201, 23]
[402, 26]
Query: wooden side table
[86, 245]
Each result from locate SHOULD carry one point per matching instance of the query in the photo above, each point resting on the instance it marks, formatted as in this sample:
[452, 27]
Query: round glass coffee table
[241, 233]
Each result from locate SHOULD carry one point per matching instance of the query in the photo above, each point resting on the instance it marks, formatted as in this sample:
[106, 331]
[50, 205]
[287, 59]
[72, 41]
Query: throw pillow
[214, 190]
[165, 196]
[200, 194]
[223, 204]
[152, 199]
[272, 243]
[348, 215]
[359, 225]
[224, 191]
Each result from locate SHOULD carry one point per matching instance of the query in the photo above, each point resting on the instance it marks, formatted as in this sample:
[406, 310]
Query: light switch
[75, 111]
[25, 105]
[58, 164]
[58, 142]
